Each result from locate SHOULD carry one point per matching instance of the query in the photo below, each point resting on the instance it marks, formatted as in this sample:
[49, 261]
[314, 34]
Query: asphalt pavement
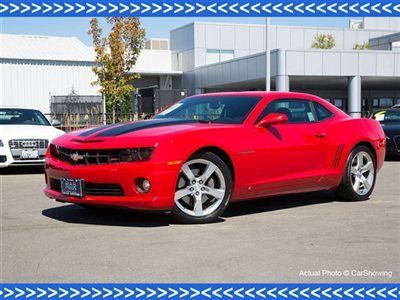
[310, 237]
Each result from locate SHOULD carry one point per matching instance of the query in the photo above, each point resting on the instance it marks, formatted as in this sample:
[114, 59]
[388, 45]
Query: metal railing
[76, 121]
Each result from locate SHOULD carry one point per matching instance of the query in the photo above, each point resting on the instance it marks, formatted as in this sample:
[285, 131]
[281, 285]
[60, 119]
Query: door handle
[320, 135]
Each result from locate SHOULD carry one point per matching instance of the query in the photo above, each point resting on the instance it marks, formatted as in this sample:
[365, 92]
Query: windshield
[392, 116]
[213, 109]
[15, 116]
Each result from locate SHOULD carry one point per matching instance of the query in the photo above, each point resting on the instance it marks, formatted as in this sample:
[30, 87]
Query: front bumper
[7, 159]
[163, 178]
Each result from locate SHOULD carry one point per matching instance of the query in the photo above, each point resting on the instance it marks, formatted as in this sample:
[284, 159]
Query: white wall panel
[257, 38]
[213, 37]
[295, 62]
[242, 37]
[297, 38]
[349, 63]
[367, 64]
[32, 84]
[313, 63]
[227, 33]
[385, 63]
[331, 63]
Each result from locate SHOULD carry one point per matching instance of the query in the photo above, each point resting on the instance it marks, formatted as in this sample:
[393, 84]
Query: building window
[227, 54]
[338, 103]
[216, 56]
[386, 102]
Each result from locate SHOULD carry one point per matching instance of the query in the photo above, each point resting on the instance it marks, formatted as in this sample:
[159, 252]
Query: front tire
[359, 176]
[203, 189]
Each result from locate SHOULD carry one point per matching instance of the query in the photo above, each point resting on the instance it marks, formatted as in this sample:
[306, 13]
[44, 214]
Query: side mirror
[55, 122]
[273, 119]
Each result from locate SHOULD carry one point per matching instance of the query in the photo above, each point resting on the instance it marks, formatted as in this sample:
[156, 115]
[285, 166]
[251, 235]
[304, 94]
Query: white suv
[25, 135]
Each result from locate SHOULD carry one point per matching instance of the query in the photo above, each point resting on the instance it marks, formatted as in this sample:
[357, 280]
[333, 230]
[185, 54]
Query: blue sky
[155, 27]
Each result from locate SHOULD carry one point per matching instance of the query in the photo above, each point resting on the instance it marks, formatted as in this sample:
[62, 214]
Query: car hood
[29, 132]
[148, 132]
[391, 129]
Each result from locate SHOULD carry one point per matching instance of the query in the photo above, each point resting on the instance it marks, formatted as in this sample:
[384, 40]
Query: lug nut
[191, 189]
[197, 193]
[194, 182]
[201, 181]
[202, 189]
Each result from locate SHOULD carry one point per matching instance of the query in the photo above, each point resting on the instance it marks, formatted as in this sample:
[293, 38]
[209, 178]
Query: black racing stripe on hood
[94, 130]
[131, 127]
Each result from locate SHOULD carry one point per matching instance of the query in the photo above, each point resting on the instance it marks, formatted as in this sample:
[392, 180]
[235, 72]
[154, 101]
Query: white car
[25, 135]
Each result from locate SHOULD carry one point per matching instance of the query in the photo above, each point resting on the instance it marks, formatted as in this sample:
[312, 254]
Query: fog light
[143, 185]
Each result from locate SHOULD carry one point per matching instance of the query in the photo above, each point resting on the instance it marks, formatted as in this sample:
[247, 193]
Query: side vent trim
[337, 156]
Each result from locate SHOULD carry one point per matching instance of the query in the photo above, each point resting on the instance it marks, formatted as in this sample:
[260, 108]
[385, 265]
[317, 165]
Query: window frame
[313, 109]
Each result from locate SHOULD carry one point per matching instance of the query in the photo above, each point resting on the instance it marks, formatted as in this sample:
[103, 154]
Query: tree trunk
[113, 112]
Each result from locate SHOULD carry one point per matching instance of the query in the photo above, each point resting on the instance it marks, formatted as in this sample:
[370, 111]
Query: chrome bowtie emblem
[29, 144]
[76, 156]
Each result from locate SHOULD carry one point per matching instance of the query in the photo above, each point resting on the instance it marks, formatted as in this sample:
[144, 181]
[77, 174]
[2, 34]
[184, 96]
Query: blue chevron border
[201, 291]
[200, 8]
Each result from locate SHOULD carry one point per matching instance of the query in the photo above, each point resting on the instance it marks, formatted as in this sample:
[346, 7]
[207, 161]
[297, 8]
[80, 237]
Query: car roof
[18, 107]
[258, 93]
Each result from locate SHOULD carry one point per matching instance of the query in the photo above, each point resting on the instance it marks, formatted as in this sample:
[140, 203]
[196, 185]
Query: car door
[289, 156]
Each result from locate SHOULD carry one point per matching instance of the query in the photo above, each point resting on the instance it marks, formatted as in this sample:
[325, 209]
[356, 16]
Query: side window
[322, 112]
[297, 111]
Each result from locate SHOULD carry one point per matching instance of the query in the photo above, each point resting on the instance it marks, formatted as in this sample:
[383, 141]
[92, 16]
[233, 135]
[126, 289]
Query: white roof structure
[54, 48]
[32, 47]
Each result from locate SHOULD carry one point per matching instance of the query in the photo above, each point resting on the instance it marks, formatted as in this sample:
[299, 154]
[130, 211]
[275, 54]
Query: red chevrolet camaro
[207, 151]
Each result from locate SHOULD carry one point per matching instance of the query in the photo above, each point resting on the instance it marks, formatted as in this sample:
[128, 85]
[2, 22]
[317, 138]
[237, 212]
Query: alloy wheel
[201, 188]
[362, 173]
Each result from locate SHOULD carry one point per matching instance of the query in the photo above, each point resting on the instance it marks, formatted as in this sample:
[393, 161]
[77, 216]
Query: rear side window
[297, 111]
[322, 112]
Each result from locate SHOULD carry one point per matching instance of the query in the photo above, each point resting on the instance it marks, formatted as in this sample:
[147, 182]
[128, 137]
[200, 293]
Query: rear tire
[359, 176]
[203, 189]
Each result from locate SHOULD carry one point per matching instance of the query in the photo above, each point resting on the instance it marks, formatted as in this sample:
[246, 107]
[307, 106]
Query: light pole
[267, 55]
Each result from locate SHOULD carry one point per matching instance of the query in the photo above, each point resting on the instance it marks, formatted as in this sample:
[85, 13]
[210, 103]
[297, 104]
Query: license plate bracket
[72, 187]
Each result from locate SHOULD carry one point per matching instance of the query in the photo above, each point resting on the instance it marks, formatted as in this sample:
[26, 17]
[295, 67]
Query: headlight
[53, 151]
[135, 154]
[1, 143]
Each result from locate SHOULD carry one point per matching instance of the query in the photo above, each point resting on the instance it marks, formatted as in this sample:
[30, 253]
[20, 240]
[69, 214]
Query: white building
[34, 68]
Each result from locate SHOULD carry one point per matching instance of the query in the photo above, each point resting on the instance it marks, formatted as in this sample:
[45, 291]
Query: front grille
[19, 145]
[92, 189]
[88, 157]
[101, 156]
[28, 144]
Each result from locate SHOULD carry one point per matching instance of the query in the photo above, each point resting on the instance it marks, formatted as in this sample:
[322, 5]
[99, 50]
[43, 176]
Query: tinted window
[297, 111]
[322, 112]
[12, 116]
[214, 109]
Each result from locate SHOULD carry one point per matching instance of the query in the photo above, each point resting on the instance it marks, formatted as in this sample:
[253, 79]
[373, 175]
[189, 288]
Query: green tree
[323, 41]
[364, 46]
[116, 54]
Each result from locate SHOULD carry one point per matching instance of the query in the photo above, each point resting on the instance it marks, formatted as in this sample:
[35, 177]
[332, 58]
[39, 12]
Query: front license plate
[29, 154]
[72, 187]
